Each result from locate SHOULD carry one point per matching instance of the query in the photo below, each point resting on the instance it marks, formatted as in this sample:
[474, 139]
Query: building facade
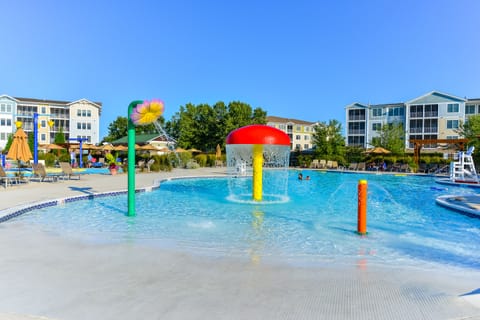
[434, 115]
[299, 131]
[77, 119]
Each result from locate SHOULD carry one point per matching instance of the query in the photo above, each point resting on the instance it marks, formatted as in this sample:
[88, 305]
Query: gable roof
[6, 96]
[288, 120]
[97, 104]
[356, 105]
[435, 97]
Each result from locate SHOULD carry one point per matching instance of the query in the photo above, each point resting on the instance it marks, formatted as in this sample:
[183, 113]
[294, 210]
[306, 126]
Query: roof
[142, 138]
[46, 101]
[435, 97]
[288, 120]
[356, 105]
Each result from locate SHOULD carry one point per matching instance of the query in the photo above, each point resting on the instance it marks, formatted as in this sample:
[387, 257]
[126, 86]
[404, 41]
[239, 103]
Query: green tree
[119, 128]
[471, 130]
[391, 138]
[203, 126]
[9, 143]
[329, 141]
[59, 137]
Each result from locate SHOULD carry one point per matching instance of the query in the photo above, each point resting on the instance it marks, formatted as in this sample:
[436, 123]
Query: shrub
[49, 159]
[201, 160]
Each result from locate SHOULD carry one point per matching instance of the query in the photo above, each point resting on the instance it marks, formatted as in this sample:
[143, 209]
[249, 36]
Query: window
[298, 147]
[305, 137]
[416, 111]
[79, 113]
[307, 129]
[297, 137]
[9, 122]
[43, 123]
[298, 128]
[44, 110]
[305, 146]
[452, 107]
[84, 113]
[84, 126]
[452, 137]
[470, 109]
[9, 108]
[89, 126]
[3, 107]
[281, 127]
[3, 136]
[89, 113]
[3, 122]
[43, 137]
[377, 112]
[79, 125]
[452, 124]
[376, 126]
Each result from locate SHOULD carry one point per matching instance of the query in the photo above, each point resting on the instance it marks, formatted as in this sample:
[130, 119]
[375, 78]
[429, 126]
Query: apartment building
[299, 131]
[434, 115]
[77, 119]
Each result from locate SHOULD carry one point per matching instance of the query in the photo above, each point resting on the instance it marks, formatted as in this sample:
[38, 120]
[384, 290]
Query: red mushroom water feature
[251, 148]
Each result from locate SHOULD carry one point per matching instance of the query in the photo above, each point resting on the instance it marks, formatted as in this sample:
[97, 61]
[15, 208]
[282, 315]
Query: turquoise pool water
[316, 224]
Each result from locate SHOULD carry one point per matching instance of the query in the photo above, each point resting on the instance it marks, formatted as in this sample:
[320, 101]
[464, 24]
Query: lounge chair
[40, 172]
[361, 166]
[68, 171]
[322, 164]
[352, 166]
[315, 164]
[6, 180]
[329, 164]
[149, 164]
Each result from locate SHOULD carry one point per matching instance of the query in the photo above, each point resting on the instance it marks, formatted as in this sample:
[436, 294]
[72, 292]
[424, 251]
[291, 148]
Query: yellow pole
[257, 171]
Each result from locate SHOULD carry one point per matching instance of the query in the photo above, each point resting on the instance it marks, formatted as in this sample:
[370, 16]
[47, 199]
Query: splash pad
[257, 162]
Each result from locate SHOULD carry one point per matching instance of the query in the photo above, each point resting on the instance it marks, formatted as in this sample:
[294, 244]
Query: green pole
[131, 159]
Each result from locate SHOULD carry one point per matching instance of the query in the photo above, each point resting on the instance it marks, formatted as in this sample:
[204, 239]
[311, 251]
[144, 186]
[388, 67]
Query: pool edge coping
[15, 211]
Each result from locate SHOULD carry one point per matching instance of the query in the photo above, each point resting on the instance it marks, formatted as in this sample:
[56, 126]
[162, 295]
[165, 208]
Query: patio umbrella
[120, 148]
[107, 147]
[53, 146]
[148, 147]
[218, 153]
[19, 150]
[378, 150]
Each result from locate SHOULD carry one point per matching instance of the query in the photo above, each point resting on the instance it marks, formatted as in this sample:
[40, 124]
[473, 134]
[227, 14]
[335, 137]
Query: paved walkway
[44, 276]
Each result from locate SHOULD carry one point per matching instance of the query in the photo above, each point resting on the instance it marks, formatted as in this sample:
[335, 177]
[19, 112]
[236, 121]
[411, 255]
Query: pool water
[315, 225]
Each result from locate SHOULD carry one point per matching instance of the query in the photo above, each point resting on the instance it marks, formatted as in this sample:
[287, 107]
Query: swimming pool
[316, 225]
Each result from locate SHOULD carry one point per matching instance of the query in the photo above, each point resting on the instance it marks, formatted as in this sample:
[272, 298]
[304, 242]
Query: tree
[9, 143]
[391, 138]
[59, 137]
[471, 130]
[119, 129]
[329, 141]
[203, 126]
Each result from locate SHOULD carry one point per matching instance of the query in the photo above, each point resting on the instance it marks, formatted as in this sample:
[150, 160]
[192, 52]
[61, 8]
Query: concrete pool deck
[45, 276]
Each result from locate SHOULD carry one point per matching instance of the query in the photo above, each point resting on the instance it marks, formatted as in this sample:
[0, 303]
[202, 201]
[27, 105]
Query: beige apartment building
[77, 119]
[299, 131]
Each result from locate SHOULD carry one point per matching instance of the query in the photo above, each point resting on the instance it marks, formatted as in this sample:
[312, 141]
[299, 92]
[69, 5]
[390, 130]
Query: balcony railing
[356, 131]
[357, 117]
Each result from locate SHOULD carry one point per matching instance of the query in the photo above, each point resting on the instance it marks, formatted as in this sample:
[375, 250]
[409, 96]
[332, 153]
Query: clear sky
[297, 59]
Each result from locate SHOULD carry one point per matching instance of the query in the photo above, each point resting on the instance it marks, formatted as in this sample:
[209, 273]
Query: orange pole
[362, 207]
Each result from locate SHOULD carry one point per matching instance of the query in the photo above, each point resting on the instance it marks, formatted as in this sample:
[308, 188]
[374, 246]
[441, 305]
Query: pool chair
[40, 173]
[149, 164]
[315, 164]
[322, 164]
[68, 171]
[6, 180]
[361, 166]
[352, 166]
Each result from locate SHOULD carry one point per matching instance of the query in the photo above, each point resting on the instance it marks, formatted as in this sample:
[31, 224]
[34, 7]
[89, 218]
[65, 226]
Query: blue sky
[297, 59]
